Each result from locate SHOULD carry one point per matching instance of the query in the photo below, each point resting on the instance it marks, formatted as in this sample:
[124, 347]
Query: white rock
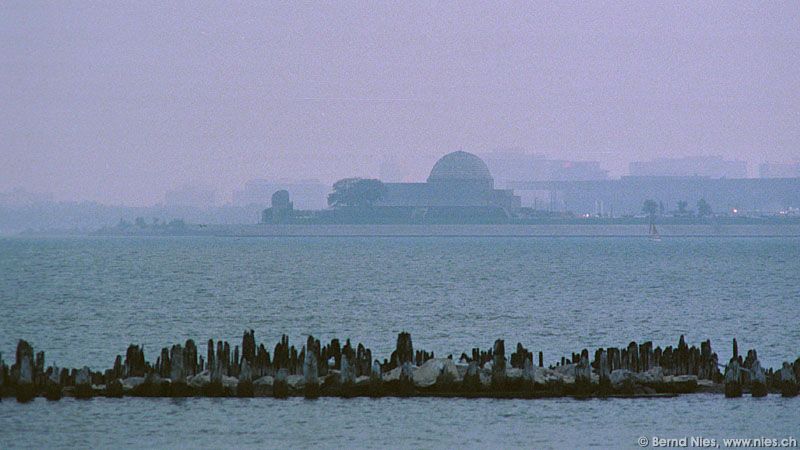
[513, 373]
[684, 378]
[620, 376]
[462, 370]
[296, 382]
[427, 374]
[486, 376]
[539, 375]
[392, 375]
[131, 382]
[566, 369]
[450, 368]
[201, 379]
[652, 376]
[266, 380]
[229, 382]
[407, 371]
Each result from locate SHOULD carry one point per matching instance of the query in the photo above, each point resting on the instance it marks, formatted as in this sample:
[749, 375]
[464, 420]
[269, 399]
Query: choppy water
[83, 300]
[390, 423]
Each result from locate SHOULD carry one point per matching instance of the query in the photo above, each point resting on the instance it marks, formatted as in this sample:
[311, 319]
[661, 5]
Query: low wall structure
[333, 369]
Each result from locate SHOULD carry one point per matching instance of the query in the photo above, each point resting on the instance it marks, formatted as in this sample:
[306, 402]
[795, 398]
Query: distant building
[693, 166]
[458, 179]
[307, 194]
[281, 209]
[626, 195]
[779, 170]
[190, 196]
[513, 167]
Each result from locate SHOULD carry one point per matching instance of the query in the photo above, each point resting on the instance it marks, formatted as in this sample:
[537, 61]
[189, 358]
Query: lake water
[83, 300]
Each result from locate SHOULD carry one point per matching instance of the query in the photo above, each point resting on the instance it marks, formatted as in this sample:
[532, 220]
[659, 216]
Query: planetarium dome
[460, 166]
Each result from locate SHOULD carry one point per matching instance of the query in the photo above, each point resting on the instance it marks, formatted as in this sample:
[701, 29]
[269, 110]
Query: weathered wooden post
[310, 369]
[472, 379]
[758, 380]
[615, 359]
[347, 375]
[190, 358]
[214, 388]
[733, 379]
[245, 386]
[789, 386]
[134, 362]
[177, 372]
[633, 356]
[26, 390]
[375, 381]
[3, 378]
[498, 365]
[404, 350]
[163, 366]
[406, 384]
[114, 388]
[528, 373]
[83, 384]
[604, 372]
[52, 386]
[681, 355]
[280, 387]
[583, 375]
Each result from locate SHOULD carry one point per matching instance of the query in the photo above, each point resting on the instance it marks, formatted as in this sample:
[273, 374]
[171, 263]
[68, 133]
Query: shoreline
[469, 230]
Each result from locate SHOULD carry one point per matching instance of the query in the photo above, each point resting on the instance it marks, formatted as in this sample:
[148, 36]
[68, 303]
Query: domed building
[458, 179]
[461, 167]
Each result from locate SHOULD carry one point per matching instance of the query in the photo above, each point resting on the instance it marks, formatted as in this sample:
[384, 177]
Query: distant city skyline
[310, 193]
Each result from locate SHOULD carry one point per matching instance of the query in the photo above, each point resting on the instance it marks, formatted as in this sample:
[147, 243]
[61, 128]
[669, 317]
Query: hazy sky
[120, 102]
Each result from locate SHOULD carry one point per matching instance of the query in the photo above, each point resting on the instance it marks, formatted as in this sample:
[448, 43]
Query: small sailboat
[654, 236]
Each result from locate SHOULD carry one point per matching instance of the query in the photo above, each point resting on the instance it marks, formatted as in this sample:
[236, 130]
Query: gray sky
[120, 102]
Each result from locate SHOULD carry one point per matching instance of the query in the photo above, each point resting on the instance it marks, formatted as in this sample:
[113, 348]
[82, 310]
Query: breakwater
[347, 370]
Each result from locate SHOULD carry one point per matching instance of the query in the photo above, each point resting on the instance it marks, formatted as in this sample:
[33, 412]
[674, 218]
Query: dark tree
[703, 208]
[358, 192]
[650, 207]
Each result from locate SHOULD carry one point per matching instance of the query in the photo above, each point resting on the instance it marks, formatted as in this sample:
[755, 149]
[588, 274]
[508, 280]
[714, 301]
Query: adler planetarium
[458, 179]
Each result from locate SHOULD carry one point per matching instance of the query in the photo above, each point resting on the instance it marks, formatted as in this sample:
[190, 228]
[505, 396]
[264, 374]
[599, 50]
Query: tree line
[653, 208]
